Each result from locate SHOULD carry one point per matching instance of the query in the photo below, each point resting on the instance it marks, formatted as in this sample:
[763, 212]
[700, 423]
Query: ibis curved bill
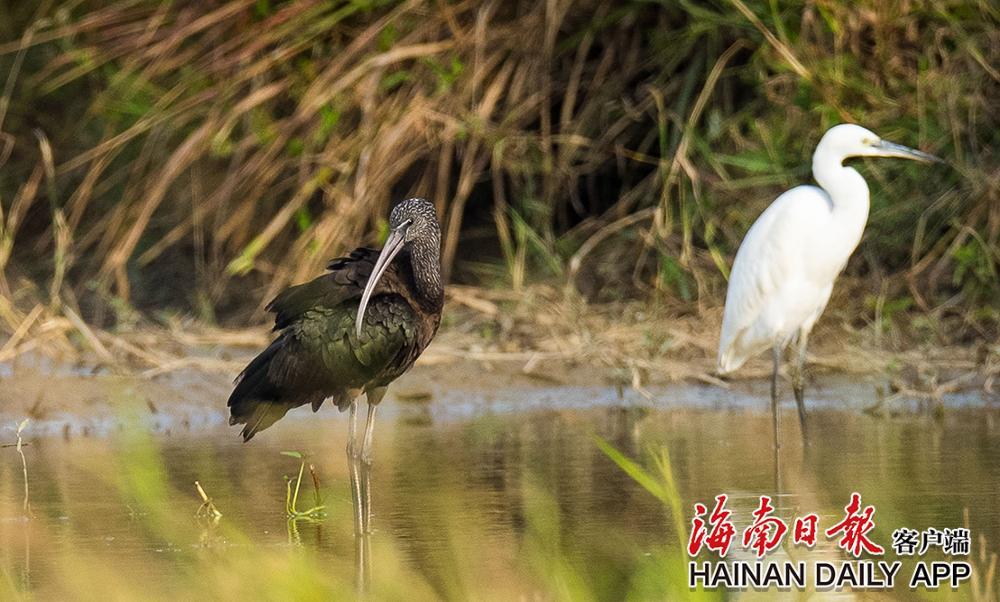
[393, 245]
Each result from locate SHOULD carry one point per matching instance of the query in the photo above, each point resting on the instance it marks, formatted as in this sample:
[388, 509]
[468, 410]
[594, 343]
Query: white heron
[786, 266]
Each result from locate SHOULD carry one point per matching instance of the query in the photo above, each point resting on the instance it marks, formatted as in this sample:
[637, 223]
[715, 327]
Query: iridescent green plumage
[320, 353]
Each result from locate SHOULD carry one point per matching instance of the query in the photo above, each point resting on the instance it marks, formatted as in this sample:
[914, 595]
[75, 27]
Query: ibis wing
[345, 280]
[320, 356]
[388, 341]
[318, 353]
[327, 337]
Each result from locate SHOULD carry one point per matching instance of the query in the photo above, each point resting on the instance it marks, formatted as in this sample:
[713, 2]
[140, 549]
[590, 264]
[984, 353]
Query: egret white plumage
[786, 266]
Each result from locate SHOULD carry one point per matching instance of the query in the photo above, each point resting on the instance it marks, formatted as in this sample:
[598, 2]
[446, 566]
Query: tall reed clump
[172, 154]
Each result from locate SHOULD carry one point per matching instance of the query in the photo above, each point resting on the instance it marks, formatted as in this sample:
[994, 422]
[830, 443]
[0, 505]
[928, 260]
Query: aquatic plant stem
[24, 466]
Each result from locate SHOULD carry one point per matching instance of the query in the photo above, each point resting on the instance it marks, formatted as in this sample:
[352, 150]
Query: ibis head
[413, 226]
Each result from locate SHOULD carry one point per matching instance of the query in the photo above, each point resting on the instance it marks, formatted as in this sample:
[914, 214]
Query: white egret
[786, 266]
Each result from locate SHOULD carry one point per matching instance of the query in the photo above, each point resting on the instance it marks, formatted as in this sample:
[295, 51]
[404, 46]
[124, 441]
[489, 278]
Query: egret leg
[776, 353]
[798, 380]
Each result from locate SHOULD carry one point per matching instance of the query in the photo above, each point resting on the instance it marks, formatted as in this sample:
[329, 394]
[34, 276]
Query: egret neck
[848, 193]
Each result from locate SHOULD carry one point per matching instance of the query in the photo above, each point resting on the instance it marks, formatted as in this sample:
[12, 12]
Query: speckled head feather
[414, 231]
[422, 216]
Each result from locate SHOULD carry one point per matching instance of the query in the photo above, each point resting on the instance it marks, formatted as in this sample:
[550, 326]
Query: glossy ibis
[786, 266]
[356, 328]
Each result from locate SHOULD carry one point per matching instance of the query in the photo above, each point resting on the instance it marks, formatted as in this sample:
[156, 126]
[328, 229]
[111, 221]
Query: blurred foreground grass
[182, 555]
[502, 506]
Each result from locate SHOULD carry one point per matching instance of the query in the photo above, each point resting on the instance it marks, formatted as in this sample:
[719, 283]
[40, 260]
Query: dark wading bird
[786, 266]
[354, 329]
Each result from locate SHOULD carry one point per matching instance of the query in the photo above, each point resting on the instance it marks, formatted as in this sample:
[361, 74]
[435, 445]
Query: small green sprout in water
[24, 463]
[207, 509]
[292, 495]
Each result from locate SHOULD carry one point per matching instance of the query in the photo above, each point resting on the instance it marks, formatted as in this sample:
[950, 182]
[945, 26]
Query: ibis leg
[354, 465]
[374, 397]
[352, 431]
[798, 380]
[366, 497]
[366, 446]
[363, 565]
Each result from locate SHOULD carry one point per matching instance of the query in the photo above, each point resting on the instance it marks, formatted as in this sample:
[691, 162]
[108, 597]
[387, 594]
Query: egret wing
[770, 255]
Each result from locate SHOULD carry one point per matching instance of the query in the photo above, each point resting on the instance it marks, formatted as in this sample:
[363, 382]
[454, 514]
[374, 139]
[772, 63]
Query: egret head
[849, 140]
[413, 225]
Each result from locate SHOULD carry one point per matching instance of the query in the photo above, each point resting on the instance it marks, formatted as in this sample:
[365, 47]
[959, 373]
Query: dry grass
[171, 157]
[542, 334]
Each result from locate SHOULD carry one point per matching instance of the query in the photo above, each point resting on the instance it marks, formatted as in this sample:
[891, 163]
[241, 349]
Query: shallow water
[476, 493]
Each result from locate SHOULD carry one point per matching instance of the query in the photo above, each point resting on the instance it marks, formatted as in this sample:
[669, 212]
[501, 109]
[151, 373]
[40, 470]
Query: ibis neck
[425, 259]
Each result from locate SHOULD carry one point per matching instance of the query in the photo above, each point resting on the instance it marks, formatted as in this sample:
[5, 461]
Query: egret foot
[799, 381]
[801, 403]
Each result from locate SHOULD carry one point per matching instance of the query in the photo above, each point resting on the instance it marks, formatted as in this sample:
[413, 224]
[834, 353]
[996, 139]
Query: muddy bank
[70, 401]
[71, 378]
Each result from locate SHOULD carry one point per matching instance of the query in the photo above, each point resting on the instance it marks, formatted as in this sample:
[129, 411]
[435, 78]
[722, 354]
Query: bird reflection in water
[361, 501]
